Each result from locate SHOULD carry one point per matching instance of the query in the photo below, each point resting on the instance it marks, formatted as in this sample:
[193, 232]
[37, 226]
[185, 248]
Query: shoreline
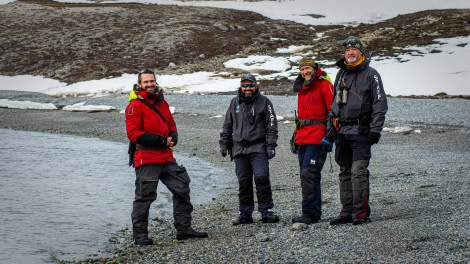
[418, 193]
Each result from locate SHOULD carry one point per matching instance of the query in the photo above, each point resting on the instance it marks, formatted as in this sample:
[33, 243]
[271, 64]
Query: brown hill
[78, 42]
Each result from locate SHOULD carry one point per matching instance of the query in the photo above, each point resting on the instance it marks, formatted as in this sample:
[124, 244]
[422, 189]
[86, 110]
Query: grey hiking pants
[352, 154]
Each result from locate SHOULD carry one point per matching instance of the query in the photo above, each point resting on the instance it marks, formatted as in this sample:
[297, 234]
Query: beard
[352, 59]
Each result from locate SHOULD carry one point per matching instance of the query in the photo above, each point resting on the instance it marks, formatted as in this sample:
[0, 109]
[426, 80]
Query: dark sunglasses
[146, 70]
[351, 42]
[245, 85]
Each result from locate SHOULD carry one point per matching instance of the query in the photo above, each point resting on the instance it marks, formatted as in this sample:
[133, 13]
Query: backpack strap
[153, 108]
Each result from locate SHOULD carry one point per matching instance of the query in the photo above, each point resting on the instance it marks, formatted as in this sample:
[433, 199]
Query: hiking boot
[190, 233]
[243, 221]
[341, 220]
[304, 219]
[144, 241]
[360, 221]
[270, 218]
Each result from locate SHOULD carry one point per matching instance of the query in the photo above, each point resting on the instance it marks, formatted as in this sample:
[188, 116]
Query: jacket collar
[360, 67]
[154, 98]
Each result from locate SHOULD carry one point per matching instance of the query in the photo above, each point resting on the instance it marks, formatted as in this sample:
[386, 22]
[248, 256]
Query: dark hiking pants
[352, 154]
[248, 167]
[176, 180]
[311, 161]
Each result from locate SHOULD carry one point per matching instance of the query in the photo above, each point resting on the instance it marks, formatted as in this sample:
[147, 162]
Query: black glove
[330, 135]
[174, 137]
[373, 138]
[271, 153]
[327, 145]
[223, 151]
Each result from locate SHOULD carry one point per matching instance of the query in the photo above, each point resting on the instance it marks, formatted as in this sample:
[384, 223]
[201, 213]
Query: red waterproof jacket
[141, 119]
[313, 103]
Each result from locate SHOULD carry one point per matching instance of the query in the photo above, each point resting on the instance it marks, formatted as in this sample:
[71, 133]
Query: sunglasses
[351, 43]
[251, 85]
[146, 70]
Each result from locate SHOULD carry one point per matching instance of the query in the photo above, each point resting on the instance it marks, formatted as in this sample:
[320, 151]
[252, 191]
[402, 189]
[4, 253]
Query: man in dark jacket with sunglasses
[249, 134]
[151, 127]
[357, 117]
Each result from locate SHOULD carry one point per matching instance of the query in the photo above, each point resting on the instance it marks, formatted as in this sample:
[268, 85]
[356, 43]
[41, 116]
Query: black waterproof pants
[352, 154]
[176, 180]
[248, 167]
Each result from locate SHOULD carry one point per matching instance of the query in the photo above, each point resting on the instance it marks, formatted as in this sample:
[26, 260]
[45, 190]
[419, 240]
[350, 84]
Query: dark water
[63, 196]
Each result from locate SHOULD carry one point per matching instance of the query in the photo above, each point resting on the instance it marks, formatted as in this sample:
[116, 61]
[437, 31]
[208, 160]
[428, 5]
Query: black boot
[305, 219]
[190, 233]
[360, 221]
[270, 218]
[341, 220]
[243, 221]
[144, 241]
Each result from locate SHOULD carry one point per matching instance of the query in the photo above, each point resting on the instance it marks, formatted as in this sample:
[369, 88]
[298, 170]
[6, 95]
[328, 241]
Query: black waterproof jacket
[366, 100]
[251, 123]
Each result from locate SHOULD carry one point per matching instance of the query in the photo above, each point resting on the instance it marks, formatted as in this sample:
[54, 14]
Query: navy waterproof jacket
[366, 98]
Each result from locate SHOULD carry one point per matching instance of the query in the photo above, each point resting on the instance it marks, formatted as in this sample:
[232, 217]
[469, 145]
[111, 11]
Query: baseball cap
[249, 77]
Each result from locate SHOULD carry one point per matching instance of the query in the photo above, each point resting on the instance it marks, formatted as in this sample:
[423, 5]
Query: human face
[248, 91]
[147, 82]
[308, 72]
[352, 55]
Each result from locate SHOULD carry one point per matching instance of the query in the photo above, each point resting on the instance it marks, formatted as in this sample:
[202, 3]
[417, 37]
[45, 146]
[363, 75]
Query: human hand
[174, 137]
[330, 135]
[327, 145]
[271, 153]
[373, 138]
[223, 151]
[169, 142]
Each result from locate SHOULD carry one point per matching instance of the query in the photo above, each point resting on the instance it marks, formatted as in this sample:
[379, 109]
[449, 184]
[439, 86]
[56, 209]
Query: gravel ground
[418, 181]
[418, 187]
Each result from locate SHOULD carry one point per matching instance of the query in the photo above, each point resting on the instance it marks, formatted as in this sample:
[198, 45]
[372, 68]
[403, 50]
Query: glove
[175, 140]
[174, 137]
[271, 153]
[327, 145]
[373, 138]
[330, 135]
[223, 151]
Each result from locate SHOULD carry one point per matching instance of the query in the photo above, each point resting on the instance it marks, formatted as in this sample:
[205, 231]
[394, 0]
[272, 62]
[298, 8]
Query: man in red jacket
[314, 96]
[150, 125]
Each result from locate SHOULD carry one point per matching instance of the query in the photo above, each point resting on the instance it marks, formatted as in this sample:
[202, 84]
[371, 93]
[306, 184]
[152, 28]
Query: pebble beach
[419, 193]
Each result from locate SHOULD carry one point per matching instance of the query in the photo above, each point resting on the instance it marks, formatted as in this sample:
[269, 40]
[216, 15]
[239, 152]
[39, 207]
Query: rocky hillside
[78, 42]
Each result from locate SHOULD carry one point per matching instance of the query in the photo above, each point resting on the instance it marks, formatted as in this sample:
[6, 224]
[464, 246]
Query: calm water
[63, 196]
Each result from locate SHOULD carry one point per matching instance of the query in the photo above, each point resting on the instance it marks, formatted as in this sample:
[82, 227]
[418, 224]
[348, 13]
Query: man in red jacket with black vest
[314, 95]
[150, 125]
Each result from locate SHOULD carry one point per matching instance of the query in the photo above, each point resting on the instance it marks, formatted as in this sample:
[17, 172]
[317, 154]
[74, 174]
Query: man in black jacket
[357, 117]
[250, 134]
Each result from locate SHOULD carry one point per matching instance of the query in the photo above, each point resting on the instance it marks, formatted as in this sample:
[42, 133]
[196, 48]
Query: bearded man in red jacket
[314, 97]
[151, 127]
